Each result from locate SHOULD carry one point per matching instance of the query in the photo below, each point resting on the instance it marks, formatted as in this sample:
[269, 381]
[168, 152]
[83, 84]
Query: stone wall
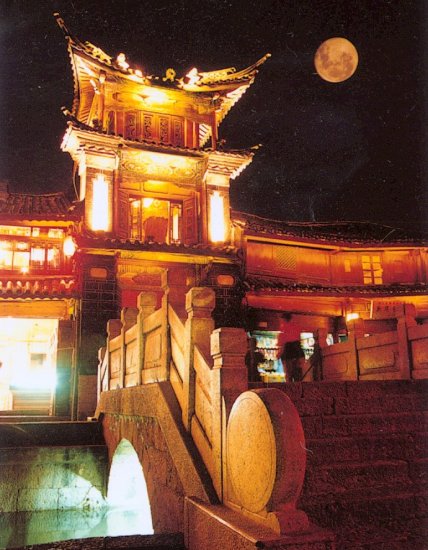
[52, 478]
[87, 396]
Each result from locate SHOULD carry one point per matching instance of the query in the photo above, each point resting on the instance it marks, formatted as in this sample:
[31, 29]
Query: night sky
[348, 151]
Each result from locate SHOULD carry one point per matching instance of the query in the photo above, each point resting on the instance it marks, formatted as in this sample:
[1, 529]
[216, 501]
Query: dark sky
[348, 151]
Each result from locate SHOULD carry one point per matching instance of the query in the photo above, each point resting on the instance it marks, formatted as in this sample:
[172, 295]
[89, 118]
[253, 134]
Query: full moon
[336, 60]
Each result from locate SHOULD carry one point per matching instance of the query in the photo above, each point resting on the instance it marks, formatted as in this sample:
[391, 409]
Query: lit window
[155, 220]
[347, 266]
[100, 204]
[35, 232]
[15, 230]
[217, 224]
[21, 260]
[37, 257]
[372, 270]
[54, 257]
[6, 255]
[55, 233]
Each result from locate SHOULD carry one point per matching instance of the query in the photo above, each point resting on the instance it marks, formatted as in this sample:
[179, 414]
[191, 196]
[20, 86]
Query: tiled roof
[38, 288]
[201, 81]
[51, 206]
[271, 285]
[91, 241]
[337, 232]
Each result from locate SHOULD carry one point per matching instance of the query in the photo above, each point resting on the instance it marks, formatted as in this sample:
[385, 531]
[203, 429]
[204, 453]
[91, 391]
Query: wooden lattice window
[372, 270]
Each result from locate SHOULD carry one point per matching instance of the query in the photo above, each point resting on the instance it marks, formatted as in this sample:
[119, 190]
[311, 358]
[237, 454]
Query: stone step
[363, 506]
[339, 478]
[31, 434]
[352, 389]
[356, 425]
[366, 448]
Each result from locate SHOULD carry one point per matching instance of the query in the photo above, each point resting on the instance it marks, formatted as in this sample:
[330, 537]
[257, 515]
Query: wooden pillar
[200, 303]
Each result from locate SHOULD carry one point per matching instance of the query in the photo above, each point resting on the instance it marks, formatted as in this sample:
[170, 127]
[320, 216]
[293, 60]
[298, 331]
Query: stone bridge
[225, 463]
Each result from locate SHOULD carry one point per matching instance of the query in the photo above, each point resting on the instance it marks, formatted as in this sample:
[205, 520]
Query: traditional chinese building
[39, 304]
[153, 197]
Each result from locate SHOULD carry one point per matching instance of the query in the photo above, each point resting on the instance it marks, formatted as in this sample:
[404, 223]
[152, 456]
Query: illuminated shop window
[155, 220]
[372, 270]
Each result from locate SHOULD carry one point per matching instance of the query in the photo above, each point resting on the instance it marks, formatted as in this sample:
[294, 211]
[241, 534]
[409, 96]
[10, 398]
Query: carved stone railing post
[128, 316]
[229, 376]
[114, 328]
[355, 331]
[200, 303]
[166, 348]
[146, 303]
[406, 320]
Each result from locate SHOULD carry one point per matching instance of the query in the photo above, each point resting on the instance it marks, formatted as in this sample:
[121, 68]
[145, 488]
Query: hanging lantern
[69, 246]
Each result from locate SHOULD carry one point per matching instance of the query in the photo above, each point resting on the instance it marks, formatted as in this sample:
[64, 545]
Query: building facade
[153, 184]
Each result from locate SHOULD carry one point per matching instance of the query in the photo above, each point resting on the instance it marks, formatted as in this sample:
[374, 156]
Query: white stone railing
[398, 354]
[206, 369]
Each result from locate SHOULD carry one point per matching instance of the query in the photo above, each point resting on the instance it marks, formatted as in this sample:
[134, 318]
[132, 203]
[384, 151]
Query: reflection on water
[25, 528]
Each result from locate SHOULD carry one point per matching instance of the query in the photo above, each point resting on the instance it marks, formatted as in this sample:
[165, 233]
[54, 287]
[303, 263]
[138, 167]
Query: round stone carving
[251, 452]
[265, 451]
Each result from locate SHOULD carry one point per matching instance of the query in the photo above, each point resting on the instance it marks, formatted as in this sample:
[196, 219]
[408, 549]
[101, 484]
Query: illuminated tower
[138, 145]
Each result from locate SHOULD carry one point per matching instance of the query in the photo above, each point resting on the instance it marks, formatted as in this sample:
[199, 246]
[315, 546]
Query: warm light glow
[152, 95]
[175, 220]
[24, 269]
[147, 202]
[139, 73]
[193, 76]
[127, 488]
[121, 61]
[352, 316]
[217, 224]
[69, 246]
[100, 204]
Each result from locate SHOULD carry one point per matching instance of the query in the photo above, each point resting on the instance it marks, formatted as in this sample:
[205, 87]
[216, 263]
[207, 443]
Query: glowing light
[139, 73]
[100, 204]
[24, 270]
[121, 61]
[127, 487]
[69, 246]
[147, 202]
[155, 96]
[193, 76]
[175, 220]
[352, 316]
[217, 224]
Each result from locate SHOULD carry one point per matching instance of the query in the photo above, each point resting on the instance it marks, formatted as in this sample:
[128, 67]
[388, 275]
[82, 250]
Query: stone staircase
[367, 467]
